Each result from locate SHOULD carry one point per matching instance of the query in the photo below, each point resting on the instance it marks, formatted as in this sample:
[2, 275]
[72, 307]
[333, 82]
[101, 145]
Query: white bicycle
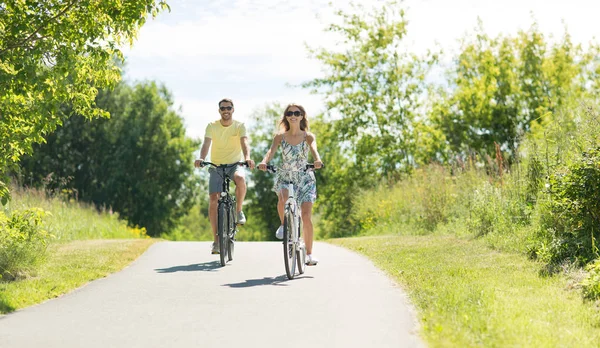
[294, 250]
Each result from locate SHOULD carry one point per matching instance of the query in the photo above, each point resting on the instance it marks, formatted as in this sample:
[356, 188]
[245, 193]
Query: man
[229, 145]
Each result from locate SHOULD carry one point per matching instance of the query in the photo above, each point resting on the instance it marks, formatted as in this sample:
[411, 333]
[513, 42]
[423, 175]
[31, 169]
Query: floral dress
[295, 158]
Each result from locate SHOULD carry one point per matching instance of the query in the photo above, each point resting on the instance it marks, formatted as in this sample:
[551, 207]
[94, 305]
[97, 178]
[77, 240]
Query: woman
[295, 141]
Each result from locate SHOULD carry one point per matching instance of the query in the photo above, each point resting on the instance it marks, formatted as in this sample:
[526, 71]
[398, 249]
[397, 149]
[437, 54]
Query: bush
[570, 221]
[590, 285]
[486, 208]
[417, 204]
[22, 242]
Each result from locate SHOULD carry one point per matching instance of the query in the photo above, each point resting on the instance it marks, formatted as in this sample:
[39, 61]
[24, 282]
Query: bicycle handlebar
[224, 166]
[273, 169]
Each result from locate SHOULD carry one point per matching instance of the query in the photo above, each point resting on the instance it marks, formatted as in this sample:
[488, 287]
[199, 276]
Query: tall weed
[23, 242]
[71, 220]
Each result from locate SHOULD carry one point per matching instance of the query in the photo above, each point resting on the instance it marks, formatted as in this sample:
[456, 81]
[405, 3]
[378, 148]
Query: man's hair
[226, 100]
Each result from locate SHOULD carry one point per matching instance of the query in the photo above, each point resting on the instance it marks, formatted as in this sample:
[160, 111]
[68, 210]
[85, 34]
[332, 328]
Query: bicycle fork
[296, 225]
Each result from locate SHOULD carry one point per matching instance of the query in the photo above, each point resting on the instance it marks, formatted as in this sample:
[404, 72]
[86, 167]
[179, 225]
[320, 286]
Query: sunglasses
[293, 113]
[223, 108]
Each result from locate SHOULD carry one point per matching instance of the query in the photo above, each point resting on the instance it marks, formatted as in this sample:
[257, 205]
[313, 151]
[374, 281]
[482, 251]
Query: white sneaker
[311, 260]
[279, 233]
[241, 218]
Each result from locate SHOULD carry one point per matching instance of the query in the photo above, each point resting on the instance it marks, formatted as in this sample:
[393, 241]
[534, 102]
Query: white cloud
[248, 49]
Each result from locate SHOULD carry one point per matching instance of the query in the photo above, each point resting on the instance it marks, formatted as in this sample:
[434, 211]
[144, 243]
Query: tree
[56, 53]
[500, 87]
[138, 162]
[261, 200]
[373, 88]
[337, 183]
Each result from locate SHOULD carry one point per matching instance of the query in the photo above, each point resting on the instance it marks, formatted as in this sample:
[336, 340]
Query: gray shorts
[215, 182]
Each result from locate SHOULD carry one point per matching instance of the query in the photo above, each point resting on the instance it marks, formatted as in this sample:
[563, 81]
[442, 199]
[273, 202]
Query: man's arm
[246, 151]
[203, 152]
[205, 147]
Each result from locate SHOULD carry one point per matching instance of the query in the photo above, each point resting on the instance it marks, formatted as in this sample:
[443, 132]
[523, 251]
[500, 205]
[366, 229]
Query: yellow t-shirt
[225, 142]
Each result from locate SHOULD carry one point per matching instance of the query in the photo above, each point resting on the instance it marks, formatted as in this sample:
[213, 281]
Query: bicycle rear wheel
[223, 232]
[289, 247]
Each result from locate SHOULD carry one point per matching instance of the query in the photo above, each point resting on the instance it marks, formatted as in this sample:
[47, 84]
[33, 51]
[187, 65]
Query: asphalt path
[177, 295]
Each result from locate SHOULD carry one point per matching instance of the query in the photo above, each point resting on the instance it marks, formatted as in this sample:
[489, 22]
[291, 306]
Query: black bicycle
[226, 213]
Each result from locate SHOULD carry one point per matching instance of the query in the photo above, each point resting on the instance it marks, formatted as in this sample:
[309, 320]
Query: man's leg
[215, 184]
[240, 189]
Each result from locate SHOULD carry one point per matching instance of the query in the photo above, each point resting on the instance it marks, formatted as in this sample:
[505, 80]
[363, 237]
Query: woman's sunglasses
[293, 113]
[223, 108]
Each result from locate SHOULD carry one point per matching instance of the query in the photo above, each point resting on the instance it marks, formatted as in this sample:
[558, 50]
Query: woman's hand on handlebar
[262, 166]
[199, 163]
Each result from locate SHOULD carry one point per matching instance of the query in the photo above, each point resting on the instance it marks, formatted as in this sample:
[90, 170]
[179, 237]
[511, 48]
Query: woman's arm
[311, 139]
[269, 155]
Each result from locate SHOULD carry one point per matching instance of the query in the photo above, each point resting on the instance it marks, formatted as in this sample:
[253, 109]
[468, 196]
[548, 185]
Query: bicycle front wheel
[301, 250]
[289, 246]
[231, 235]
[223, 232]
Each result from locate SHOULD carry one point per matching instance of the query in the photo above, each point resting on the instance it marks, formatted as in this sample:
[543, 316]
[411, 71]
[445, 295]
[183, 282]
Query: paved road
[177, 295]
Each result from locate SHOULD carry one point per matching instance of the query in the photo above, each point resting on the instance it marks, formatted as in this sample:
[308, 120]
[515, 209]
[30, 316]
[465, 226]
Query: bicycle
[226, 214]
[294, 250]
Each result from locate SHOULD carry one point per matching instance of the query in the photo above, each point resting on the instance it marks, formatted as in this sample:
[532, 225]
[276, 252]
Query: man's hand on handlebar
[199, 163]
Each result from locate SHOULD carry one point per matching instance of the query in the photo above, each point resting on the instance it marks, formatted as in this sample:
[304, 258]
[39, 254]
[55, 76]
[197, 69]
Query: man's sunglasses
[223, 108]
[293, 113]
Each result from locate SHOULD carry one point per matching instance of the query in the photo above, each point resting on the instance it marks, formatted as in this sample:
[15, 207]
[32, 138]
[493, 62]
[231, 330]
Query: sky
[254, 51]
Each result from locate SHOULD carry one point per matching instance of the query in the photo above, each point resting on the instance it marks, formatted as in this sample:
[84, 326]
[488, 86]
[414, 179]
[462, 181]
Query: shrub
[590, 285]
[22, 242]
[570, 221]
[484, 210]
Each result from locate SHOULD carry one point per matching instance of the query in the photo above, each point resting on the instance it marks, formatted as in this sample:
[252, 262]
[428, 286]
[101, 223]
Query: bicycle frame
[294, 249]
[292, 206]
[293, 245]
[226, 216]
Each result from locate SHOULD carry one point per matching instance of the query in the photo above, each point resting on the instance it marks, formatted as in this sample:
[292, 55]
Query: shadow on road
[281, 281]
[206, 266]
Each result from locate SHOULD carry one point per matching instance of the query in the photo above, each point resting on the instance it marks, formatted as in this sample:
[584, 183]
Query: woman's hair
[303, 123]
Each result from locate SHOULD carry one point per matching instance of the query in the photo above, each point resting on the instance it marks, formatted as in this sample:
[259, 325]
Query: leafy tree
[55, 53]
[373, 88]
[261, 200]
[138, 162]
[337, 183]
[500, 87]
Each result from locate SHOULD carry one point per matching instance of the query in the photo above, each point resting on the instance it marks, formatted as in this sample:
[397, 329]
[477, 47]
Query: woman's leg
[307, 226]
[282, 196]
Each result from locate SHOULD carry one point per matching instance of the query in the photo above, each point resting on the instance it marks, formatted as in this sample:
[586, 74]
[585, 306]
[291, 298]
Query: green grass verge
[72, 220]
[69, 266]
[469, 295]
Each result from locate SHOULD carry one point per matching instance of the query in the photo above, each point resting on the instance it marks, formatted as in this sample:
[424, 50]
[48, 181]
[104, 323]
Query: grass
[88, 244]
[469, 295]
[69, 266]
[73, 220]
